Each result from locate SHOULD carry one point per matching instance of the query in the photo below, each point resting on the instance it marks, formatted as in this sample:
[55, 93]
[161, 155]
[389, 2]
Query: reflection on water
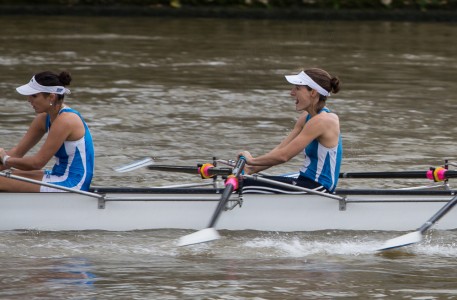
[187, 90]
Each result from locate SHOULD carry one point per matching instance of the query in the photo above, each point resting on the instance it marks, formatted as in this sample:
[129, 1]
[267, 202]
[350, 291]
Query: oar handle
[239, 166]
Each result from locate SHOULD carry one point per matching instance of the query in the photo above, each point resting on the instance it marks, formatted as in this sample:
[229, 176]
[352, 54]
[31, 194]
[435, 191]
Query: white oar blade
[201, 236]
[401, 241]
[135, 165]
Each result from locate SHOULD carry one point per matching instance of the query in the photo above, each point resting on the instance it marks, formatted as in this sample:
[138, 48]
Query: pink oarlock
[233, 181]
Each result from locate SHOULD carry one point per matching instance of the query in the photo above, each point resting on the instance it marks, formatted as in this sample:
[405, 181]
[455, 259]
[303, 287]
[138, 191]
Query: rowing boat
[190, 207]
[120, 209]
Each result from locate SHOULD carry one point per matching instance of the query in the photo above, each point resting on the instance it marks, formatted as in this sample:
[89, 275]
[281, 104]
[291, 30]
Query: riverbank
[303, 13]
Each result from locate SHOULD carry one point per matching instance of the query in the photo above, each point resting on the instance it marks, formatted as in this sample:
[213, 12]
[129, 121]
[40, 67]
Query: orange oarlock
[437, 174]
[203, 170]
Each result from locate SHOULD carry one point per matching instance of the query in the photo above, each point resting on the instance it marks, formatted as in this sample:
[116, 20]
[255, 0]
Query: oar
[211, 171]
[209, 234]
[437, 174]
[441, 175]
[147, 161]
[416, 236]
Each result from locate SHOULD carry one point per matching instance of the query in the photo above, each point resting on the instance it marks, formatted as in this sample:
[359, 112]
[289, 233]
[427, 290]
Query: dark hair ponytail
[328, 82]
[48, 78]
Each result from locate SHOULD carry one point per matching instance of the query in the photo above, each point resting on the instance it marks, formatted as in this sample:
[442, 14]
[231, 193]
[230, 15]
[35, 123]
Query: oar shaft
[179, 169]
[191, 169]
[227, 192]
[220, 206]
[438, 215]
[393, 174]
[218, 171]
[406, 174]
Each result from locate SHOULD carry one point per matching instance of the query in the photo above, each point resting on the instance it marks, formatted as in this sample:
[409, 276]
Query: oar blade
[401, 241]
[135, 165]
[201, 236]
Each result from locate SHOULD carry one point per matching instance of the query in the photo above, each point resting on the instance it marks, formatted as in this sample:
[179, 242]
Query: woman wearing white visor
[316, 134]
[68, 140]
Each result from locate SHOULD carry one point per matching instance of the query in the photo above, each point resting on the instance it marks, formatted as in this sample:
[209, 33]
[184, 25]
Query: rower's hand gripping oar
[209, 234]
[416, 236]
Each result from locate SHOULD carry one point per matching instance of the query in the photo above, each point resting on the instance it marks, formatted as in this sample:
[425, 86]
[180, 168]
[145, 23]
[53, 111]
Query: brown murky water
[186, 90]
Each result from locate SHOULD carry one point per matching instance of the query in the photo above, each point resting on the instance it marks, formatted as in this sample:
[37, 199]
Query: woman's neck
[55, 110]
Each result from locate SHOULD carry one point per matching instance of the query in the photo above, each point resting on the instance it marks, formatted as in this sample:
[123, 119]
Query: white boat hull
[156, 209]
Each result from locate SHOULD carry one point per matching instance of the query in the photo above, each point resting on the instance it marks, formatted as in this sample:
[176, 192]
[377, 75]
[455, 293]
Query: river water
[186, 90]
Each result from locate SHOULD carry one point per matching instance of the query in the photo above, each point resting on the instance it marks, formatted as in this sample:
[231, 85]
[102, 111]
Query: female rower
[68, 140]
[316, 134]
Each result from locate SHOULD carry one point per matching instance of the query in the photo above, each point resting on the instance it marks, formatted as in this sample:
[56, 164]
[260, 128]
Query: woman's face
[40, 102]
[303, 97]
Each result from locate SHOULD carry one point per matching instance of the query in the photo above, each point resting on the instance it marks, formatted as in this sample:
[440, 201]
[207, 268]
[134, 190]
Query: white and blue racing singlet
[74, 166]
[322, 164]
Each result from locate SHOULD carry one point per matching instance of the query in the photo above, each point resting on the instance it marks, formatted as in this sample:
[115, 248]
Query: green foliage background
[321, 4]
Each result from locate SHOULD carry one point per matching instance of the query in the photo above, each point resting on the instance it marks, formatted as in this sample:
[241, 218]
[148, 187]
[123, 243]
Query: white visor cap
[303, 79]
[34, 87]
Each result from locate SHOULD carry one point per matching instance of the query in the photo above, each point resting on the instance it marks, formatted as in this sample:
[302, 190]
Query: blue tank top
[74, 164]
[322, 164]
